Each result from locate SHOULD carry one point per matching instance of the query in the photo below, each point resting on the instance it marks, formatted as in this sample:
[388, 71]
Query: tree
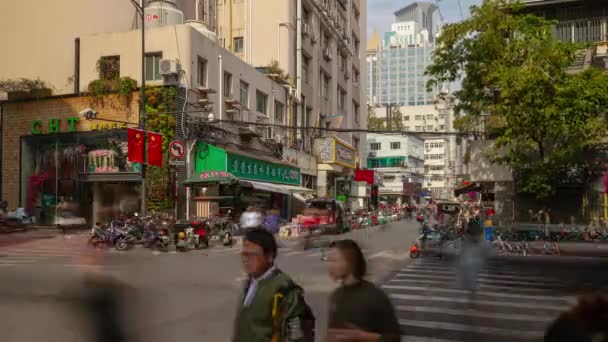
[515, 87]
[396, 119]
[374, 123]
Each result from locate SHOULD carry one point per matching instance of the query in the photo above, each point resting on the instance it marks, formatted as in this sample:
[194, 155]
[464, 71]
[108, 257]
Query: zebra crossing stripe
[489, 274]
[566, 300]
[482, 286]
[472, 328]
[473, 313]
[481, 279]
[529, 305]
[449, 267]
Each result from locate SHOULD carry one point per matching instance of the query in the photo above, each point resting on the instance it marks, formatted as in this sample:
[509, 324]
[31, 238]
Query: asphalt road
[174, 296]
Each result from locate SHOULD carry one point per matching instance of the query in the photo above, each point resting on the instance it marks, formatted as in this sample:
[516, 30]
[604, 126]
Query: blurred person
[472, 256]
[271, 220]
[359, 311]
[272, 307]
[586, 322]
[251, 218]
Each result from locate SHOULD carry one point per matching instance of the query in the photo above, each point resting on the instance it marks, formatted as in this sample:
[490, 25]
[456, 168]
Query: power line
[460, 8]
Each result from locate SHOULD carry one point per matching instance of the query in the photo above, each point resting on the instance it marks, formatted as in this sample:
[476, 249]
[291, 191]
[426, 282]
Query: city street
[176, 296]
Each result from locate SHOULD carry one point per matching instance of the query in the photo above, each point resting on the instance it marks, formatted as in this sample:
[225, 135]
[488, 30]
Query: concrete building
[399, 159]
[318, 44]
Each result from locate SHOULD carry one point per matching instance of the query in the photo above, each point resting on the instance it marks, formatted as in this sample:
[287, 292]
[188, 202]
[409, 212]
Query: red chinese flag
[136, 145]
[155, 149]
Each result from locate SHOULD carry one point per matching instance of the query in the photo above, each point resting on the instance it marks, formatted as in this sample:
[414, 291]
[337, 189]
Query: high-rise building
[318, 44]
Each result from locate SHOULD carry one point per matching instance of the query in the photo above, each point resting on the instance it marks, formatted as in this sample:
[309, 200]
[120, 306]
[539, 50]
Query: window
[342, 63]
[261, 102]
[436, 167]
[278, 111]
[324, 86]
[395, 145]
[202, 72]
[356, 76]
[441, 126]
[305, 61]
[237, 45]
[429, 116]
[341, 98]
[227, 84]
[442, 116]
[418, 117]
[418, 128]
[305, 16]
[406, 118]
[429, 127]
[375, 146]
[244, 95]
[356, 111]
[109, 67]
[153, 67]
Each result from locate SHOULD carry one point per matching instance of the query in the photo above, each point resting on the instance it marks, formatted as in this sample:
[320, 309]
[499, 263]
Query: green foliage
[22, 84]
[274, 69]
[396, 119]
[374, 123]
[108, 68]
[515, 86]
[109, 81]
[160, 105]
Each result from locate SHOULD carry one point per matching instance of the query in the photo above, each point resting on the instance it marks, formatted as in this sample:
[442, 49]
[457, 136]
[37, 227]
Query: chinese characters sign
[345, 155]
[210, 174]
[253, 169]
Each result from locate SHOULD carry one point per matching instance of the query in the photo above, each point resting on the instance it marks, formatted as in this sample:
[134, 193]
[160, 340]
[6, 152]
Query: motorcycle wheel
[121, 245]
[415, 255]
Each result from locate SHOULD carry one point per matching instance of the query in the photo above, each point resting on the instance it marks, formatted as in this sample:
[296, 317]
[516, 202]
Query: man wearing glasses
[273, 306]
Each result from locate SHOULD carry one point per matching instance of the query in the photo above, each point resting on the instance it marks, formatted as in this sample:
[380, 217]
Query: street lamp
[139, 7]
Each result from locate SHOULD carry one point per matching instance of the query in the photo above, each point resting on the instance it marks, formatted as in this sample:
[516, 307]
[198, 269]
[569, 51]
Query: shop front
[337, 162]
[245, 180]
[64, 166]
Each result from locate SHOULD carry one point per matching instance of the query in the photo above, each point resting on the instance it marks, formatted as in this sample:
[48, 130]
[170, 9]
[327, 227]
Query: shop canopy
[278, 188]
[467, 188]
[221, 177]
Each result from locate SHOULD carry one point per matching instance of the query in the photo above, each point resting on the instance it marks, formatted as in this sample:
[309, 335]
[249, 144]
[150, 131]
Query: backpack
[300, 328]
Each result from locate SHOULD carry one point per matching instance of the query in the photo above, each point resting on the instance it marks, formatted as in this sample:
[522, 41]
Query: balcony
[584, 30]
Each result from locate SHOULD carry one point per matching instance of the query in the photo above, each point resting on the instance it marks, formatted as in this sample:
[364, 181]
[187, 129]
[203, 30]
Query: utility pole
[142, 100]
[389, 119]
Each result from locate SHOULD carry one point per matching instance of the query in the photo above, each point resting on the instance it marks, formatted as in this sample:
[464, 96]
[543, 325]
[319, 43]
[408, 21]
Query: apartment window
[406, 118]
[342, 63]
[356, 111]
[261, 102]
[418, 117]
[395, 145]
[278, 111]
[237, 44]
[109, 67]
[429, 116]
[356, 76]
[202, 72]
[305, 16]
[341, 98]
[418, 128]
[441, 126]
[244, 94]
[326, 40]
[436, 167]
[375, 146]
[227, 84]
[325, 80]
[429, 127]
[153, 66]
[442, 116]
[305, 61]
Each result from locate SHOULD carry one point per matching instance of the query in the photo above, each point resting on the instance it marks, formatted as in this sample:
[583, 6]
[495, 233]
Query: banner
[136, 145]
[155, 149]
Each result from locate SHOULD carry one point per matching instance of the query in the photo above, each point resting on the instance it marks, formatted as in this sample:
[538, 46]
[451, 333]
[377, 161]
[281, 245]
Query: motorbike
[122, 240]
[226, 236]
[162, 240]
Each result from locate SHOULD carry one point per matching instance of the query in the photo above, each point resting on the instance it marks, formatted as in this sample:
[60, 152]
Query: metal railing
[584, 30]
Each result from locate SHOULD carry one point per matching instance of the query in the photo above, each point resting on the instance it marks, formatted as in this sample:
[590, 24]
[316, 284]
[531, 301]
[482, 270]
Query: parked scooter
[226, 235]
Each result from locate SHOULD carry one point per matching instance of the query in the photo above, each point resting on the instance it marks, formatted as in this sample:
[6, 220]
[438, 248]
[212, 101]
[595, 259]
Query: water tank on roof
[160, 13]
[202, 28]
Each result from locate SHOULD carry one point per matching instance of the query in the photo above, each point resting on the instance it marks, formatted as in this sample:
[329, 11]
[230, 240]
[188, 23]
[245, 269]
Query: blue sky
[380, 12]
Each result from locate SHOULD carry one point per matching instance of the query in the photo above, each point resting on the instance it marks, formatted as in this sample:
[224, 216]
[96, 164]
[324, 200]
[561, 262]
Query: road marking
[482, 286]
[489, 274]
[558, 308]
[472, 328]
[473, 313]
[291, 253]
[424, 339]
[481, 279]
[566, 299]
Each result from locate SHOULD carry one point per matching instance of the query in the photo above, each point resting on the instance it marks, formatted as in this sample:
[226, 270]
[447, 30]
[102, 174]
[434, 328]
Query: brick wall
[17, 121]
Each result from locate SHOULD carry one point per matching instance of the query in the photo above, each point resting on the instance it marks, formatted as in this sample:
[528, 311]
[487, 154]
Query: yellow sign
[344, 154]
[107, 126]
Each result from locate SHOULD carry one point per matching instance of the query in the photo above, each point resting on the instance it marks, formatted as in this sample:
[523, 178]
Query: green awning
[207, 177]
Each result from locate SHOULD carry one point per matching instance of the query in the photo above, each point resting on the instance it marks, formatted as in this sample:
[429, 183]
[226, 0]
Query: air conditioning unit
[169, 67]
[305, 30]
[327, 54]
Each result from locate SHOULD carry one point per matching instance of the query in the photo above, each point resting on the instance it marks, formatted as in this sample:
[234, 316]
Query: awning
[222, 177]
[267, 187]
[296, 189]
[467, 188]
[119, 177]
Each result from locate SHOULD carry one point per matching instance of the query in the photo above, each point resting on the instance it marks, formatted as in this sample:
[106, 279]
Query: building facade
[400, 160]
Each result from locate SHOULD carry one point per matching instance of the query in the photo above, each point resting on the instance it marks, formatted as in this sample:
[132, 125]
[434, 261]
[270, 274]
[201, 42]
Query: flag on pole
[136, 145]
[155, 149]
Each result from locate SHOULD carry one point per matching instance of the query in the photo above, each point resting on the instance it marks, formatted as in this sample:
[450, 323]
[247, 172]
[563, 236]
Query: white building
[400, 159]
[436, 166]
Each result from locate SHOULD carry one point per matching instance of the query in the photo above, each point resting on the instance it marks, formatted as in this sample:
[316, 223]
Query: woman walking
[359, 311]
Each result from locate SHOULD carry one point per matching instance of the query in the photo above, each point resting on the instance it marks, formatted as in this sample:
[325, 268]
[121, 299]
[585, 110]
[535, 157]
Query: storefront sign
[206, 175]
[253, 169]
[344, 155]
[365, 176]
[53, 125]
[106, 126]
[177, 162]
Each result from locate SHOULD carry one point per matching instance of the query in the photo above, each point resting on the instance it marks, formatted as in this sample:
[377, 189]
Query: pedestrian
[586, 322]
[252, 218]
[273, 306]
[359, 311]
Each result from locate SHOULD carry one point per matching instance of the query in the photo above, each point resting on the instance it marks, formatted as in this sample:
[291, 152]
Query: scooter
[226, 235]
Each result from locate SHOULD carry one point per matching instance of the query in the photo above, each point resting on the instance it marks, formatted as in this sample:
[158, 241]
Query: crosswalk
[511, 304]
[61, 249]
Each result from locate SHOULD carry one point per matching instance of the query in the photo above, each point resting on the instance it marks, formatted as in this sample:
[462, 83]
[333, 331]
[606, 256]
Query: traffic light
[374, 197]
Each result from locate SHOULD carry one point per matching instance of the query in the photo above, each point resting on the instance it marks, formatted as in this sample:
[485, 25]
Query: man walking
[273, 307]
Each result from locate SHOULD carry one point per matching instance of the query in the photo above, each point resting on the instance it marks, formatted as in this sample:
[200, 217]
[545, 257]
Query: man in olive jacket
[272, 307]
